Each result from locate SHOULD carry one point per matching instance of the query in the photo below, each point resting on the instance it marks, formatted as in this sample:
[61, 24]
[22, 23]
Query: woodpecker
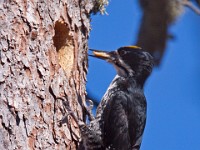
[121, 114]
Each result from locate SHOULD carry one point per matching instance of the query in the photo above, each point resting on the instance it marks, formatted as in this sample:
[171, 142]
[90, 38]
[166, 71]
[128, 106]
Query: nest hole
[64, 46]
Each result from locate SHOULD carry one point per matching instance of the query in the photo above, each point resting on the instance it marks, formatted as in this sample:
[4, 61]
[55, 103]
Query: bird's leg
[89, 109]
[89, 137]
[68, 110]
[86, 108]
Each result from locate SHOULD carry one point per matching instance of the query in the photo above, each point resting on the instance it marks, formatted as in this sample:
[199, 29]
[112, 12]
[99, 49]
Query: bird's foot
[68, 110]
[89, 109]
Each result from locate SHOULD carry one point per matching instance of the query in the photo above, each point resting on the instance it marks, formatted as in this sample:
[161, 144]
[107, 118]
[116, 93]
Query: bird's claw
[89, 109]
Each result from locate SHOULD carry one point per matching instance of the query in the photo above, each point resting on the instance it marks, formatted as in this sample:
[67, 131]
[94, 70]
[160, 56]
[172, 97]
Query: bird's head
[128, 61]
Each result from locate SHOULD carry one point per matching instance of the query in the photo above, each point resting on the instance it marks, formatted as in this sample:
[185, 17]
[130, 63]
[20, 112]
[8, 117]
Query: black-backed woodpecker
[121, 115]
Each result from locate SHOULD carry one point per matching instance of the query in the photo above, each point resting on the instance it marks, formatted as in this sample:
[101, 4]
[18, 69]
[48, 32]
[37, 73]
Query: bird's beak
[101, 54]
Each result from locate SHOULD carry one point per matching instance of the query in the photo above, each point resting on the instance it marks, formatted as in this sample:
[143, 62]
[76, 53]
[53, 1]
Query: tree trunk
[43, 55]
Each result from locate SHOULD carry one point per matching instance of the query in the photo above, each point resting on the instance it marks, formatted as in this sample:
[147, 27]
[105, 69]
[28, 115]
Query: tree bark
[43, 55]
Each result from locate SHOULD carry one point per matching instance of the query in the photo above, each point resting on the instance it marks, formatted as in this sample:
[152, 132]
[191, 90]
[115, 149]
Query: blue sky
[172, 91]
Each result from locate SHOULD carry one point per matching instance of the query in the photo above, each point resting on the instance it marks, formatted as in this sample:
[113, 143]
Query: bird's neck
[127, 81]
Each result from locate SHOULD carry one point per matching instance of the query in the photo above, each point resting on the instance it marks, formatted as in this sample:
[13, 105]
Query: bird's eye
[122, 52]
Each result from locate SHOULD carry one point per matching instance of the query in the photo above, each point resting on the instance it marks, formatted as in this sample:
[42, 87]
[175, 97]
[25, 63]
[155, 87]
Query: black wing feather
[116, 124]
[124, 121]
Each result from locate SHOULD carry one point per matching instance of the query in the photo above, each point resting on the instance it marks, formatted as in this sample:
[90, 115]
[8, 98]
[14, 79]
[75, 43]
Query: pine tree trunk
[43, 55]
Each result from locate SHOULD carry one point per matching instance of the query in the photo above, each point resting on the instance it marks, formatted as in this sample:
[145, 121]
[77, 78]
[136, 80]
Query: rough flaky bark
[43, 47]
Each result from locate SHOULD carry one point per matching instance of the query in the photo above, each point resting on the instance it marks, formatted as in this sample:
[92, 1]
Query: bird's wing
[137, 118]
[116, 132]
